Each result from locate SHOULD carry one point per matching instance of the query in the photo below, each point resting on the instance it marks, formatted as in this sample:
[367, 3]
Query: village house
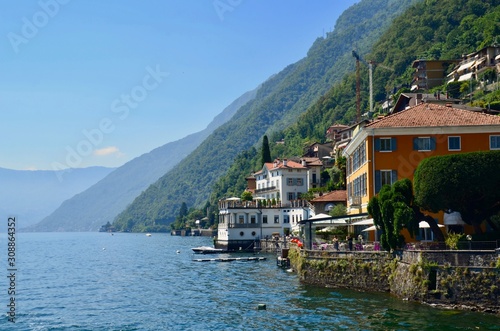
[392, 147]
[327, 201]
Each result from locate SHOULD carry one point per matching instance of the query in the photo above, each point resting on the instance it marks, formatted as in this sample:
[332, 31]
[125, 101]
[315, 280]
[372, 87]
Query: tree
[467, 183]
[266, 152]
[392, 210]
[338, 210]
[184, 210]
[246, 196]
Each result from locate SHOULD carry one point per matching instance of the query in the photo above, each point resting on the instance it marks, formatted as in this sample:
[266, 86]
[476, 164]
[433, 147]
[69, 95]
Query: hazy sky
[96, 82]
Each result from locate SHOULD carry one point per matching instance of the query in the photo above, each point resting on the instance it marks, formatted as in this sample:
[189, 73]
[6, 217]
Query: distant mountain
[101, 203]
[278, 104]
[32, 195]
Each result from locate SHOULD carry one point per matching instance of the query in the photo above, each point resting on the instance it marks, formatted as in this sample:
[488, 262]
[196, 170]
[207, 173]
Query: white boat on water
[206, 250]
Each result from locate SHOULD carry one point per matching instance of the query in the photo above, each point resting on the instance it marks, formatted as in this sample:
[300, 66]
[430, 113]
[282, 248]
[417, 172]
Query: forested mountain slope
[278, 103]
[101, 203]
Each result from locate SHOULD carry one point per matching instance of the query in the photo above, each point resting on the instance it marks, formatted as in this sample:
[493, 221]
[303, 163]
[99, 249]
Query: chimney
[284, 162]
[304, 164]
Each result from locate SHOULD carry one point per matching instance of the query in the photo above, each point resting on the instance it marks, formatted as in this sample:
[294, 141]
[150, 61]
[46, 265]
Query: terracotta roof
[432, 115]
[279, 164]
[339, 195]
[312, 161]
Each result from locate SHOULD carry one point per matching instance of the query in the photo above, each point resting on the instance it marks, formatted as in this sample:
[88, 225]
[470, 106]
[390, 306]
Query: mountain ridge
[99, 204]
[31, 195]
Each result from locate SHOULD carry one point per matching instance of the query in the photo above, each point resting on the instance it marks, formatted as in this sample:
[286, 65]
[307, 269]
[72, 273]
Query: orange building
[391, 148]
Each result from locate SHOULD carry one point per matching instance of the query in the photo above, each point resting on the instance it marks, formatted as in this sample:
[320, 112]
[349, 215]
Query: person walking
[335, 243]
[349, 241]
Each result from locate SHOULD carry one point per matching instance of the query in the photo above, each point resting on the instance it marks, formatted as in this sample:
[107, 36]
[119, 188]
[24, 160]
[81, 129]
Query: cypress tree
[266, 152]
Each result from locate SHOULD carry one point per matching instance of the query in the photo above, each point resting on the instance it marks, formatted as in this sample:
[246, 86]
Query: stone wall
[359, 271]
[458, 279]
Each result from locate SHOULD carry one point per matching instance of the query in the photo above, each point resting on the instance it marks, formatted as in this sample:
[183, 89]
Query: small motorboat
[207, 250]
[148, 234]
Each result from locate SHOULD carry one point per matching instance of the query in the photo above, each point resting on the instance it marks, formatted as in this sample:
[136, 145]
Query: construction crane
[370, 65]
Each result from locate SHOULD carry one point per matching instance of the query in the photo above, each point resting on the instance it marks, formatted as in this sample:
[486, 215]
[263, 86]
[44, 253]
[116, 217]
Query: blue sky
[94, 82]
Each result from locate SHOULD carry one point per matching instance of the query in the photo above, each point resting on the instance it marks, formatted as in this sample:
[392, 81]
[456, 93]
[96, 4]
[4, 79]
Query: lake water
[98, 281]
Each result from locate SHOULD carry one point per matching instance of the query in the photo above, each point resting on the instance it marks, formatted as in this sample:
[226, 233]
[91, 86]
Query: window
[494, 142]
[424, 144]
[289, 181]
[454, 143]
[299, 182]
[252, 219]
[426, 234]
[385, 144]
[264, 219]
[358, 186]
[290, 196]
[276, 219]
[241, 219]
[384, 177]
[286, 219]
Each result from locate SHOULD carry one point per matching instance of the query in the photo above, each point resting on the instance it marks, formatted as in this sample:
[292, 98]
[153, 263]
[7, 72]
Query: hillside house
[429, 73]
[472, 65]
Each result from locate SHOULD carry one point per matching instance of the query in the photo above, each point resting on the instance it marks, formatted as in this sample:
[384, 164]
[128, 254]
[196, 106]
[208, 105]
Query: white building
[276, 209]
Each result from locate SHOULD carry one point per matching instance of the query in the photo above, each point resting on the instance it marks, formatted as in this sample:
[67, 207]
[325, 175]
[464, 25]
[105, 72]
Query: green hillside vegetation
[397, 48]
[278, 103]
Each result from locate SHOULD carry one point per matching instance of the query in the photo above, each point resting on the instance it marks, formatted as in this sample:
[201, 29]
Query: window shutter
[378, 181]
[433, 143]
[393, 144]
[415, 144]
[394, 176]
[377, 144]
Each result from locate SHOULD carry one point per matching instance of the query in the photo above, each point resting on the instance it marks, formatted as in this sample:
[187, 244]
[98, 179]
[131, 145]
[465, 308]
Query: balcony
[244, 225]
[266, 189]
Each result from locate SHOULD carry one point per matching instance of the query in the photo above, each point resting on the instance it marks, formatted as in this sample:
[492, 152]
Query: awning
[425, 225]
[371, 228]
[453, 218]
[320, 216]
[368, 221]
[478, 62]
[327, 220]
[466, 65]
[465, 77]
